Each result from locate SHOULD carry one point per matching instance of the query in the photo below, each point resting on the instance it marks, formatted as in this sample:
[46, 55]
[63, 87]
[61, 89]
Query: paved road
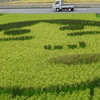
[49, 10]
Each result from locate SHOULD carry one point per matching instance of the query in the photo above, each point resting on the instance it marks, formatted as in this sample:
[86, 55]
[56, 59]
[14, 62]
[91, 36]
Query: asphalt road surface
[50, 11]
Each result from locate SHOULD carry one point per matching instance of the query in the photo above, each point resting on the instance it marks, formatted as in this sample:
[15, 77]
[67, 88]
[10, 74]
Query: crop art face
[14, 31]
[77, 27]
[69, 24]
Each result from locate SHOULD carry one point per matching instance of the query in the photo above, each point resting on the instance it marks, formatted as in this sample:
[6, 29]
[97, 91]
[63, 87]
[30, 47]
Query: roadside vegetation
[98, 15]
[49, 57]
[52, 1]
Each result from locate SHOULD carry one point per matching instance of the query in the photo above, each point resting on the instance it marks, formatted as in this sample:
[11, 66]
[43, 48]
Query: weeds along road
[49, 10]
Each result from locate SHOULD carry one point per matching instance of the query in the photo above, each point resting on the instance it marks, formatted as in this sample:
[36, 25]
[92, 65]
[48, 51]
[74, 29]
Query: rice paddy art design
[14, 31]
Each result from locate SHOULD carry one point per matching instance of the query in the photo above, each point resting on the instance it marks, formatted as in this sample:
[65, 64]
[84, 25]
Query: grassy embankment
[31, 47]
[51, 1]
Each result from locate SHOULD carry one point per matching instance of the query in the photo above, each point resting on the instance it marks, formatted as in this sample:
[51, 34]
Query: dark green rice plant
[13, 25]
[17, 31]
[58, 47]
[82, 44]
[16, 90]
[73, 24]
[1, 14]
[72, 27]
[98, 15]
[17, 38]
[49, 47]
[83, 33]
[72, 46]
[30, 91]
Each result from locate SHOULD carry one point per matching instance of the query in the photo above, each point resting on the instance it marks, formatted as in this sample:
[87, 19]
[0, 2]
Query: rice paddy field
[49, 57]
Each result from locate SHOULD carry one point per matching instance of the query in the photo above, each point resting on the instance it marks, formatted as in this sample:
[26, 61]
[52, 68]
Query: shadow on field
[17, 91]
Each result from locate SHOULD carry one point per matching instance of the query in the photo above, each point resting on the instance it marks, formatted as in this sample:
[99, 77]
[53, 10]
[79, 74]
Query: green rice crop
[76, 58]
[98, 15]
[26, 71]
[17, 32]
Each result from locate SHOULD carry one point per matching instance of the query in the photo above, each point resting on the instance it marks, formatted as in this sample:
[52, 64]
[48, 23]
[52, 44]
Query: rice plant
[82, 44]
[48, 47]
[72, 46]
[39, 64]
[58, 47]
[76, 59]
[17, 38]
[17, 32]
[83, 33]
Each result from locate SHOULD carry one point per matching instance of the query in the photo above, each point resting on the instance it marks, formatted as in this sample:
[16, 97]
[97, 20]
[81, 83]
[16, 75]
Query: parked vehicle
[59, 6]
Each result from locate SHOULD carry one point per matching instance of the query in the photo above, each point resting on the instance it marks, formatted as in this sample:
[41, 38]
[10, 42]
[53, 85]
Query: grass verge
[52, 1]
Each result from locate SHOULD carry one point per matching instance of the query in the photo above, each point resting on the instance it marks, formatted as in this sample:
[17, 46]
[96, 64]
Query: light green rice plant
[25, 72]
